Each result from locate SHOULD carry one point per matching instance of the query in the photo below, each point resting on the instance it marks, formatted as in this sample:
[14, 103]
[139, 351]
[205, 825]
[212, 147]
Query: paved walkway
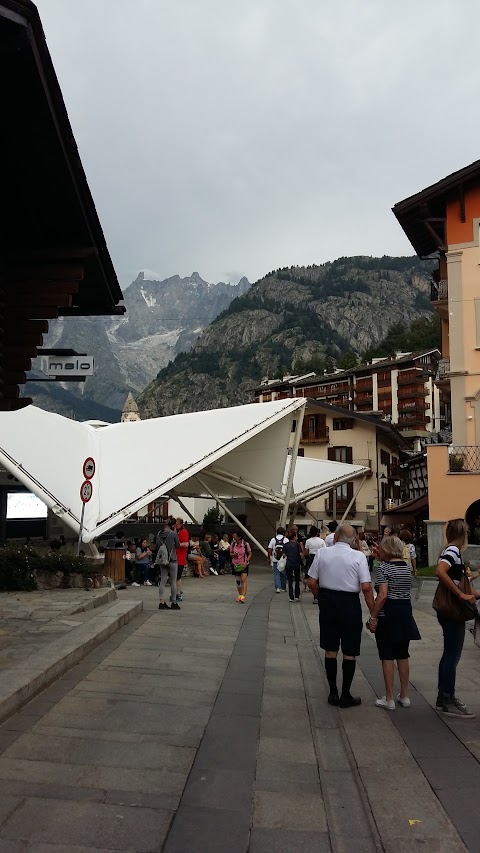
[207, 730]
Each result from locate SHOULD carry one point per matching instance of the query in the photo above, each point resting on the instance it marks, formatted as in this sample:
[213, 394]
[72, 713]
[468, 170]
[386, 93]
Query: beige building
[330, 432]
[444, 220]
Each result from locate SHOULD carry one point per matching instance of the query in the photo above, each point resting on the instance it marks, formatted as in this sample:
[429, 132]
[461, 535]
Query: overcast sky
[233, 137]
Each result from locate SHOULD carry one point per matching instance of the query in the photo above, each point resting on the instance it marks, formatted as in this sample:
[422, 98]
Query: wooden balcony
[406, 377]
[320, 437]
[341, 507]
[417, 390]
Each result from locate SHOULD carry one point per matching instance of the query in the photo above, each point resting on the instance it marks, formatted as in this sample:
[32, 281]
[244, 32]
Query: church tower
[130, 411]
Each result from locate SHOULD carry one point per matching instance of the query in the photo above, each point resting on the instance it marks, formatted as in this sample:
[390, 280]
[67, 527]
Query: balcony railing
[363, 398]
[321, 436]
[439, 290]
[417, 390]
[443, 368]
[464, 460]
[406, 377]
[366, 463]
[342, 504]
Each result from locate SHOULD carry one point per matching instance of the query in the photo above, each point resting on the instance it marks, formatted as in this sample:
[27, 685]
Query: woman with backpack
[168, 542]
[241, 554]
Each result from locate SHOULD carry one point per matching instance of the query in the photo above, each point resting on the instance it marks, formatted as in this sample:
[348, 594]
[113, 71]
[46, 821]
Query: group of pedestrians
[340, 573]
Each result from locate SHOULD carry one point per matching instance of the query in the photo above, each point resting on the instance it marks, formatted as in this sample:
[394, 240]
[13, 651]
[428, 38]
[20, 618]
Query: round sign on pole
[89, 468]
[86, 491]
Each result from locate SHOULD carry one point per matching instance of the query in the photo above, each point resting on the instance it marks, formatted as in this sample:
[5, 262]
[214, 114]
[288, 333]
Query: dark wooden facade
[53, 257]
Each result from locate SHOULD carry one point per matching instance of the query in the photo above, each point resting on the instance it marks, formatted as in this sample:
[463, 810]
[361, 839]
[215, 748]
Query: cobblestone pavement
[207, 730]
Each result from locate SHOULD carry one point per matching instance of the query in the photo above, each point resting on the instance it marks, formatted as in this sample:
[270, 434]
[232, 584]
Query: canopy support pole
[352, 501]
[293, 460]
[232, 516]
[175, 497]
[334, 504]
[245, 486]
[260, 507]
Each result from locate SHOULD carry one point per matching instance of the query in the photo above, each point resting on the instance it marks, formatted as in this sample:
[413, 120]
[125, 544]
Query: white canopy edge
[315, 477]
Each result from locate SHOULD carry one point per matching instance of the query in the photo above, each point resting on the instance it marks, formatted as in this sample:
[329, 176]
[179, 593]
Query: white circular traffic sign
[89, 468]
[86, 491]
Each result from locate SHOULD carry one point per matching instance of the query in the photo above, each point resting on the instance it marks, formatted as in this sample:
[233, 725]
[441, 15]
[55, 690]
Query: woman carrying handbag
[454, 602]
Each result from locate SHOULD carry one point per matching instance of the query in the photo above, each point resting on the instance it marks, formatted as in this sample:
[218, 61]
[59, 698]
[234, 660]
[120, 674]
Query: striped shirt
[398, 576]
[451, 555]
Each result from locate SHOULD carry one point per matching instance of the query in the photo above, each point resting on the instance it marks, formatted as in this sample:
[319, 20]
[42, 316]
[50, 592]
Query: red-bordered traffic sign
[89, 468]
[86, 491]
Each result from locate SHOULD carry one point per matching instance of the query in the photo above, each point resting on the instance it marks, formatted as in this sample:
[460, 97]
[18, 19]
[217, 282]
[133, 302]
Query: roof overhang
[423, 215]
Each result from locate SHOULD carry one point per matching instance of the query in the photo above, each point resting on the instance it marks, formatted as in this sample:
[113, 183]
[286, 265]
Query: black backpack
[278, 550]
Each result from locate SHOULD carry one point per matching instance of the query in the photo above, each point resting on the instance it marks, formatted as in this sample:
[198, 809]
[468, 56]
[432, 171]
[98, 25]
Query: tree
[212, 517]
[347, 360]
[329, 364]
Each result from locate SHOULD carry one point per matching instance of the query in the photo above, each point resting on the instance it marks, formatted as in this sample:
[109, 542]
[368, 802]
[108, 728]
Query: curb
[44, 667]
[109, 595]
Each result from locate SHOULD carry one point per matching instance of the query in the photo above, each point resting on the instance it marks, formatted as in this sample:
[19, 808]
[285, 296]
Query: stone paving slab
[234, 749]
[40, 669]
[31, 620]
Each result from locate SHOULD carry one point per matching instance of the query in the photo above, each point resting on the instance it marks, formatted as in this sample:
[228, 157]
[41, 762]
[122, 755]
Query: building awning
[226, 453]
[409, 512]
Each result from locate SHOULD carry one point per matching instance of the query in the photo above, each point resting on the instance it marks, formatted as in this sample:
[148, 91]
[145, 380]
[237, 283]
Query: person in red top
[182, 552]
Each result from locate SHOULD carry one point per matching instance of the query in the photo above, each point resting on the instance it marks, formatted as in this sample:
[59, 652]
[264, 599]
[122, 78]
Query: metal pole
[293, 460]
[230, 513]
[186, 511]
[334, 504]
[351, 502]
[81, 530]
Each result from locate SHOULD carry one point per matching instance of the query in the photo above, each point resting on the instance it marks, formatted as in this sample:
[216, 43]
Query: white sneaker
[213, 571]
[148, 583]
[278, 590]
[135, 584]
[405, 703]
[382, 703]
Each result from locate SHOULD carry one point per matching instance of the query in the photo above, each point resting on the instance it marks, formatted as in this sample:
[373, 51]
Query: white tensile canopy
[225, 453]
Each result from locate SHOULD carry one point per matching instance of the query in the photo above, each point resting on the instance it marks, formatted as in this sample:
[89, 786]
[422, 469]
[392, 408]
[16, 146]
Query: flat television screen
[25, 505]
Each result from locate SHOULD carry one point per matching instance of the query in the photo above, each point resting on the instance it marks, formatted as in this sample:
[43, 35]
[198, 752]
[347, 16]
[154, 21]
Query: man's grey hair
[345, 533]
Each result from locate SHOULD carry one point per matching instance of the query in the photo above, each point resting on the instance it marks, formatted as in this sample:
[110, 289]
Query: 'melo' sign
[68, 365]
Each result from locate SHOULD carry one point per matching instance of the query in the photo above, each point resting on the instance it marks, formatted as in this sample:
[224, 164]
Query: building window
[342, 423]
[301, 451]
[384, 457]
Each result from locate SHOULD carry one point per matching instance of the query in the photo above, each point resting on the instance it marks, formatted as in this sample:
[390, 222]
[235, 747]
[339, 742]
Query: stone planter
[46, 580]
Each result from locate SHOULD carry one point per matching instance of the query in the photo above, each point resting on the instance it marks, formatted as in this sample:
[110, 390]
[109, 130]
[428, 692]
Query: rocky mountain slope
[291, 320]
[163, 318]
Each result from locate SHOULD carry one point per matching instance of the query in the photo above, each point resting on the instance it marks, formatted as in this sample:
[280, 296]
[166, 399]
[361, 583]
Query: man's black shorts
[340, 616]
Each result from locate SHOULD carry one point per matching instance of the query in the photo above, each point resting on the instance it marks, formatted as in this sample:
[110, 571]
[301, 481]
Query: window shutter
[331, 454]
[349, 455]
[349, 491]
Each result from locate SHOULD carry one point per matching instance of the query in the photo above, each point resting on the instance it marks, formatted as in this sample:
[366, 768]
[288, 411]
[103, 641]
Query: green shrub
[212, 517]
[18, 564]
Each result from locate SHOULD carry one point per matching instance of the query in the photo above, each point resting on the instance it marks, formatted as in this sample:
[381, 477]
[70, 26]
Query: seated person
[196, 557]
[208, 553]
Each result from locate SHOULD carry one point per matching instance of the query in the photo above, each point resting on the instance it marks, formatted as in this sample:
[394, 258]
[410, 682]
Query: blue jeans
[279, 578]
[453, 638]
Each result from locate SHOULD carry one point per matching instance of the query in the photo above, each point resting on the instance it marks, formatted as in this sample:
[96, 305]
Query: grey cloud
[251, 134]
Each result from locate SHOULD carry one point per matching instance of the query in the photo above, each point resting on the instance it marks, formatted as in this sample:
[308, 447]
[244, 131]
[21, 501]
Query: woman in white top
[313, 544]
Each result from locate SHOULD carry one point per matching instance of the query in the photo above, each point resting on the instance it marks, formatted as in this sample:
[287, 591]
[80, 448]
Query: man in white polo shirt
[335, 578]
